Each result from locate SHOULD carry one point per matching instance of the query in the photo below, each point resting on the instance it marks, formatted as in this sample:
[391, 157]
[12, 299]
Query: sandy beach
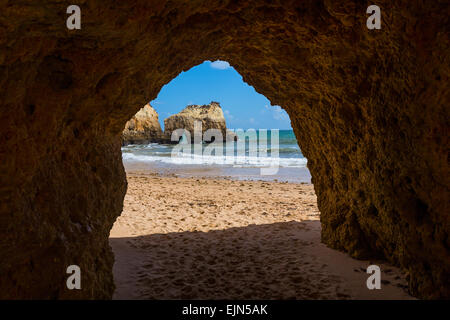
[217, 238]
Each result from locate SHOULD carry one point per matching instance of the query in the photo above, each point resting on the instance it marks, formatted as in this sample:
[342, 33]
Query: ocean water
[259, 155]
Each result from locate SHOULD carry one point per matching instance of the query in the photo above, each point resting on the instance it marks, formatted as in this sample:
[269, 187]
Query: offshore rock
[143, 127]
[208, 116]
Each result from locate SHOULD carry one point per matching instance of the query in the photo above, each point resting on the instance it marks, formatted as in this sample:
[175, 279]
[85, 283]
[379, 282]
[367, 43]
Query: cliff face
[210, 116]
[143, 127]
[369, 109]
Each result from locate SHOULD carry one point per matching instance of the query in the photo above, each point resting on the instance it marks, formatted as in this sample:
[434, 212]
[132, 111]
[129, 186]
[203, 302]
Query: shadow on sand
[272, 261]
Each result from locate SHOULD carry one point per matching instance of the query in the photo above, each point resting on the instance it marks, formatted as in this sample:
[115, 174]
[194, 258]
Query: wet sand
[215, 238]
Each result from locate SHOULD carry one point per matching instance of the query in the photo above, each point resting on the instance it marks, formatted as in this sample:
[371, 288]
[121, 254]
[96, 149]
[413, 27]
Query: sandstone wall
[369, 108]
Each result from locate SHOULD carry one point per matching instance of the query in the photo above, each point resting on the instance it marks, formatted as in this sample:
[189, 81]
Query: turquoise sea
[237, 160]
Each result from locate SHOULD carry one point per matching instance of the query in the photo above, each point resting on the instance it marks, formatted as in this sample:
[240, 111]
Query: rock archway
[370, 109]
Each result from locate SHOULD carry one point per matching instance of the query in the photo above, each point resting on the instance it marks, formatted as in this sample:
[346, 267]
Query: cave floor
[191, 238]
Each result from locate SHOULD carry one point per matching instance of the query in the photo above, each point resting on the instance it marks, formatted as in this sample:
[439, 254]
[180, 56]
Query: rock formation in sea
[210, 116]
[143, 127]
[370, 110]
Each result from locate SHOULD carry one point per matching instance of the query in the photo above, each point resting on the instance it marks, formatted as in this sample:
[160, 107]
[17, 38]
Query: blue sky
[217, 81]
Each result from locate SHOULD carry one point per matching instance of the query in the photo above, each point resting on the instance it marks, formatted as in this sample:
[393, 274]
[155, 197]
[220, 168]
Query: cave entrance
[213, 100]
[236, 218]
[197, 216]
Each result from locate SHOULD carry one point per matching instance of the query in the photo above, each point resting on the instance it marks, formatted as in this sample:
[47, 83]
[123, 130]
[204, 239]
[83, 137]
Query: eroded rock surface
[209, 116]
[369, 109]
[143, 127]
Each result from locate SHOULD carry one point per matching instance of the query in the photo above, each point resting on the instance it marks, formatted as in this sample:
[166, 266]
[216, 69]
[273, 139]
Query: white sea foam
[149, 146]
[236, 161]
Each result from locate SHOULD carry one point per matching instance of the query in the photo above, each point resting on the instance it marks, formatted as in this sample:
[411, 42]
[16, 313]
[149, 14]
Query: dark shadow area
[274, 261]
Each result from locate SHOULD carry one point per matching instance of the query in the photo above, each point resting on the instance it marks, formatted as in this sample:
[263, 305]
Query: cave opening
[212, 105]
[214, 192]
[234, 218]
